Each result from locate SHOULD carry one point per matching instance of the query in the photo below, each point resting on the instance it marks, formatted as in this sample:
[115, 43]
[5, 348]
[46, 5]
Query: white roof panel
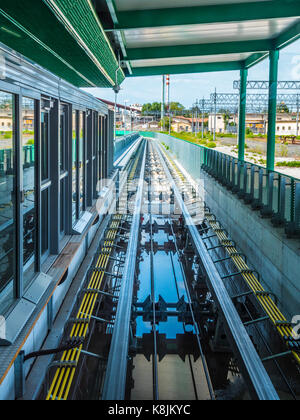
[206, 33]
[190, 60]
[126, 5]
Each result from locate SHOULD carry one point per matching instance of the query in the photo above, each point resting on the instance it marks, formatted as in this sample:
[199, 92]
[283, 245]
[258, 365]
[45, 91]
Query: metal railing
[123, 143]
[274, 194]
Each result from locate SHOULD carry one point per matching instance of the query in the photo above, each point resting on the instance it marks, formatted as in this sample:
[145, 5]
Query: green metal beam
[120, 34]
[186, 68]
[237, 12]
[112, 10]
[286, 38]
[242, 113]
[273, 83]
[255, 59]
[198, 50]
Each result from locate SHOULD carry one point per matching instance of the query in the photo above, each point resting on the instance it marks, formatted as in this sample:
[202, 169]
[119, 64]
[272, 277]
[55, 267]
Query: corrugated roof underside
[35, 32]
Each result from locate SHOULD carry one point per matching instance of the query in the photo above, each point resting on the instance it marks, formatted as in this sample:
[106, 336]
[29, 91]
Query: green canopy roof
[64, 36]
[186, 36]
[79, 40]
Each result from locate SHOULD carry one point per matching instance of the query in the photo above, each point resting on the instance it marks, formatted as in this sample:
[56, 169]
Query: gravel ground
[293, 150]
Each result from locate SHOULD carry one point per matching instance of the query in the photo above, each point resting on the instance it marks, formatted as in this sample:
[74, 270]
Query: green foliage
[30, 142]
[211, 145]
[226, 117]
[292, 164]
[226, 135]
[262, 161]
[284, 150]
[165, 123]
[155, 107]
[283, 108]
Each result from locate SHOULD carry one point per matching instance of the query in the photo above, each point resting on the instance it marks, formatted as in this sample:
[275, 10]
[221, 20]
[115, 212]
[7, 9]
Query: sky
[186, 88]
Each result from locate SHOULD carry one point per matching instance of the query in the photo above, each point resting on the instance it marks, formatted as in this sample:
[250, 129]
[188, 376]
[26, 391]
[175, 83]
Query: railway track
[163, 336]
[193, 369]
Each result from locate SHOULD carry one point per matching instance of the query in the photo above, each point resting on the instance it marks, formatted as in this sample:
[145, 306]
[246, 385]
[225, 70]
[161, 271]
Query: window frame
[55, 175]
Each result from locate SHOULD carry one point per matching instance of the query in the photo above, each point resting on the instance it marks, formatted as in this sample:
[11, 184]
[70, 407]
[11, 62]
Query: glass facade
[81, 161]
[74, 167]
[29, 210]
[45, 221]
[63, 137]
[43, 175]
[7, 200]
[45, 152]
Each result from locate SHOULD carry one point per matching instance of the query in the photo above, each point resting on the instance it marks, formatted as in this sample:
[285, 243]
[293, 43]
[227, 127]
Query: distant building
[220, 123]
[180, 124]
[286, 124]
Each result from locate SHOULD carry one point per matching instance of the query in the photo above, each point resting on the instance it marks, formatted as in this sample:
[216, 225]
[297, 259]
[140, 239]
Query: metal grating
[36, 33]
[85, 22]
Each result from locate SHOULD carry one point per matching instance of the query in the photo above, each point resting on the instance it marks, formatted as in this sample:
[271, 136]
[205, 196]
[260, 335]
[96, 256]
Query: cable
[67, 346]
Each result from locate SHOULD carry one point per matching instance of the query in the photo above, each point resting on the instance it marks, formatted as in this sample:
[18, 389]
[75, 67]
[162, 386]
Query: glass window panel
[29, 205]
[45, 221]
[45, 145]
[81, 163]
[95, 137]
[74, 168]
[63, 137]
[62, 206]
[7, 210]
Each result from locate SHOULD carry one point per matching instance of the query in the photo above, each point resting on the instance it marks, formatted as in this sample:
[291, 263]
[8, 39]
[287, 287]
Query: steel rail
[254, 373]
[196, 329]
[64, 376]
[116, 373]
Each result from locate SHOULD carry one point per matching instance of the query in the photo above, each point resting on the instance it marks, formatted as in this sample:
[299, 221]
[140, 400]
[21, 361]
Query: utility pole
[125, 117]
[215, 118]
[163, 102]
[203, 105]
[169, 104]
[297, 129]
[196, 127]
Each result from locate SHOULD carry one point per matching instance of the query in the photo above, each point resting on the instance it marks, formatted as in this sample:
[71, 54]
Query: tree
[155, 108]
[226, 118]
[177, 107]
[283, 108]
[146, 108]
[165, 123]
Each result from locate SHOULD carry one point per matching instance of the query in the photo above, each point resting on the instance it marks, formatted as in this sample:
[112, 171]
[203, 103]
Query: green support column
[242, 115]
[274, 58]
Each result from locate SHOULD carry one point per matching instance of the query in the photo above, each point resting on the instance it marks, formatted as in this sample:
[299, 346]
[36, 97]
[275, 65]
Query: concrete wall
[268, 250]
